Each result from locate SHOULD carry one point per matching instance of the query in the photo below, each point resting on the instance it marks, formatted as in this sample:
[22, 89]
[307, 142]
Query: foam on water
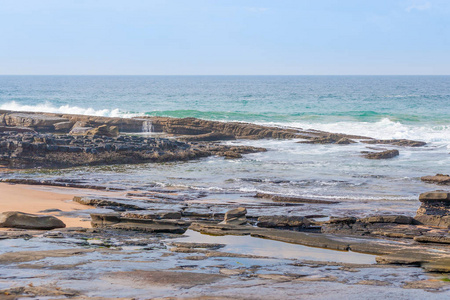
[384, 107]
[63, 109]
[383, 129]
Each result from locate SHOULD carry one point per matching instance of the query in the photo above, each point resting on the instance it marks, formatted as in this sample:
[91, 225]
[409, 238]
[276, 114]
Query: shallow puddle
[265, 247]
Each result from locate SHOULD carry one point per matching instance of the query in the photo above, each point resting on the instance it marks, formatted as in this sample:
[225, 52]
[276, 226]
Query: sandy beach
[35, 200]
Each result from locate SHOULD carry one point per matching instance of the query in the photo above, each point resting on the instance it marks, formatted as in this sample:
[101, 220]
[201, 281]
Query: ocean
[385, 107]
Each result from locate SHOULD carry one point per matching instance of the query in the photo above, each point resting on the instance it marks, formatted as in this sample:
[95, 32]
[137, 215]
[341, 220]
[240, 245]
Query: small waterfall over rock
[147, 126]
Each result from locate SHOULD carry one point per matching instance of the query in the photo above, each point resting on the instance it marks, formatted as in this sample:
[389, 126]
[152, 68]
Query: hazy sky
[165, 37]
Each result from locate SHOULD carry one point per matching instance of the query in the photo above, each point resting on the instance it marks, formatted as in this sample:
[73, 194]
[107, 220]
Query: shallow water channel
[264, 247]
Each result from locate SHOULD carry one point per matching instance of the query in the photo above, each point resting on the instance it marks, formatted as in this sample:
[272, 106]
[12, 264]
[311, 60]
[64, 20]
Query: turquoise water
[408, 99]
[413, 107]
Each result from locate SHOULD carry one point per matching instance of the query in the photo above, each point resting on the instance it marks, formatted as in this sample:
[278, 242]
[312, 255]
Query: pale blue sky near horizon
[225, 37]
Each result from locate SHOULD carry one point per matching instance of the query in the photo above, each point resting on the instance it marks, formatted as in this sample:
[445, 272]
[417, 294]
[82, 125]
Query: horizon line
[224, 74]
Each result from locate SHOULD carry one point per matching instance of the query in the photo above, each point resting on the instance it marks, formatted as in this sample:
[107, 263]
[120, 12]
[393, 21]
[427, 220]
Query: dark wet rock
[193, 126]
[397, 219]
[283, 222]
[222, 229]
[235, 216]
[434, 209]
[116, 221]
[15, 219]
[396, 142]
[344, 220]
[329, 139]
[102, 220]
[50, 210]
[291, 199]
[382, 155]
[16, 129]
[208, 137]
[232, 151]
[347, 226]
[398, 226]
[437, 179]
[440, 239]
[187, 245]
[153, 214]
[58, 182]
[55, 151]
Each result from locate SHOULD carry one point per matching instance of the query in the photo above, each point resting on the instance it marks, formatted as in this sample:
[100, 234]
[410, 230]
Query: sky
[225, 37]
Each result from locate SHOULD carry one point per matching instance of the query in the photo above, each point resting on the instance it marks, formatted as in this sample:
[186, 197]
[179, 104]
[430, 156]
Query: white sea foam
[64, 109]
[383, 129]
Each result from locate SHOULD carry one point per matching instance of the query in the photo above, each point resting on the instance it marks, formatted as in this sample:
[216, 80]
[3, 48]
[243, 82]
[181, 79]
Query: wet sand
[31, 199]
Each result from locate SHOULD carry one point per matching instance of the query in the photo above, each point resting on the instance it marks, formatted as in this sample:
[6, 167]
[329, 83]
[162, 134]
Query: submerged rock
[15, 219]
[331, 138]
[382, 155]
[396, 142]
[293, 199]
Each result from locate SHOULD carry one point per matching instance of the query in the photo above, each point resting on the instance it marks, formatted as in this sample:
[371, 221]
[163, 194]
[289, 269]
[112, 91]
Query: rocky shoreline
[147, 225]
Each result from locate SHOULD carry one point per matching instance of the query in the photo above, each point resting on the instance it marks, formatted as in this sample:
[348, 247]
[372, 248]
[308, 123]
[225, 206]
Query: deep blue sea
[412, 107]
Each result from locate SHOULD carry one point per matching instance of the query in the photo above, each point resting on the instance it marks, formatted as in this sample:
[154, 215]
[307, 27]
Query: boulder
[235, 216]
[63, 126]
[382, 155]
[286, 222]
[437, 179]
[15, 219]
[80, 130]
[435, 209]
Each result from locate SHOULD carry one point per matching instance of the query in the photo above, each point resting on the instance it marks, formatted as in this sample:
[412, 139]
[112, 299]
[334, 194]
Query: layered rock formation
[191, 129]
[434, 209]
[25, 150]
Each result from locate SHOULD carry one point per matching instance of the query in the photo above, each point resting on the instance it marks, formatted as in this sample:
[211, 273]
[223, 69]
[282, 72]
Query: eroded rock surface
[437, 179]
[26, 150]
[434, 209]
